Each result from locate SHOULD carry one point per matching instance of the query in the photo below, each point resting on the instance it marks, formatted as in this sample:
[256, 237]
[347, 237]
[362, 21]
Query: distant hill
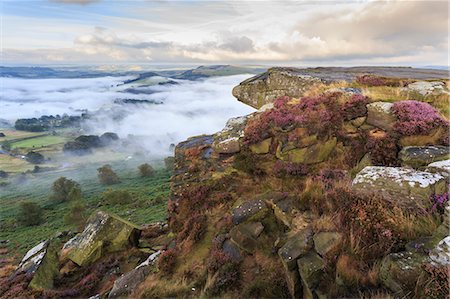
[217, 70]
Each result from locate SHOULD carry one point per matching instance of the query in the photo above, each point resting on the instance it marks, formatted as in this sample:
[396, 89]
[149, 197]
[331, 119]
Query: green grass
[13, 164]
[149, 205]
[38, 142]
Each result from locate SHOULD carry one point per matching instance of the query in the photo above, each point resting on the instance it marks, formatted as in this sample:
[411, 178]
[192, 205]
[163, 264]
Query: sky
[283, 32]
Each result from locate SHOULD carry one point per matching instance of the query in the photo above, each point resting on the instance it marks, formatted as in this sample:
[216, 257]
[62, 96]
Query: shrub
[367, 219]
[193, 229]
[416, 118]
[3, 174]
[35, 158]
[167, 261]
[355, 107]
[76, 215]
[30, 214]
[256, 130]
[371, 80]
[107, 176]
[117, 196]
[282, 169]
[383, 150]
[439, 201]
[434, 284]
[65, 190]
[216, 259]
[247, 162]
[228, 277]
[146, 170]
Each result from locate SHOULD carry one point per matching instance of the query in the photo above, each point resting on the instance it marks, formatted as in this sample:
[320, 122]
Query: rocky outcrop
[276, 82]
[104, 233]
[380, 115]
[425, 88]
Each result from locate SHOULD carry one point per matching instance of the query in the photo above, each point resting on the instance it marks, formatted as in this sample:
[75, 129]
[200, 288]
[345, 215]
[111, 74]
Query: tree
[35, 158]
[76, 215]
[29, 214]
[66, 190]
[107, 176]
[146, 170]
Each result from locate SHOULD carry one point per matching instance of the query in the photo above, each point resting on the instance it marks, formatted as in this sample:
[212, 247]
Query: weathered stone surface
[399, 271]
[283, 209]
[247, 210]
[261, 148]
[379, 114]
[440, 255]
[359, 121]
[402, 183]
[442, 167]
[313, 154]
[232, 250]
[227, 140]
[244, 235]
[425, 88]
[293, 282]
[103, 233]
[41, 262]
[417, 156]
[295, 247]
[310, 268]
[276, 82]
[125, 284]
[327, 242]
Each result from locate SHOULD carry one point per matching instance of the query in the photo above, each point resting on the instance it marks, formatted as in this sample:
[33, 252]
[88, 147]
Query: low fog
[189, 108]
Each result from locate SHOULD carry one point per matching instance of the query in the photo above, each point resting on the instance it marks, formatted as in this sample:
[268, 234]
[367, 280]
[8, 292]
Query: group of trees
[67, 190]
[47, 122]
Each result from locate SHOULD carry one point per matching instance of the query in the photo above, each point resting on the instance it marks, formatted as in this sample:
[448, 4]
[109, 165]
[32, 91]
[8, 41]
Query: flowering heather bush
[167, 261]
[416, 118]
[193, 229]
[371, 80]
[383, 150]
[330, 176]
[319, 114]
[282, 169]
[216, 259]
[355, 107]
[438, 280]
[439, 201]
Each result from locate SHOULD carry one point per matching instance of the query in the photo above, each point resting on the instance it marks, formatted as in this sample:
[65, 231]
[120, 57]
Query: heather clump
[355, 107]
[282, 169]
[416, 118]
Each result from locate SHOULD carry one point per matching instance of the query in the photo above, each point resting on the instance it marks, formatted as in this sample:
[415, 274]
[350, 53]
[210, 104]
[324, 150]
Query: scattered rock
[125, 284]
[417, 156]
[400, 182]
[283, 209]
[232, 250]
[379, 114]
[399, 271]
[310, 268]
[103, 233]
[244, 235]
[296, 246]
[42, 263]
[227, 140]
[247, 210]
[440, 255]
[425, 88]
[327, 242]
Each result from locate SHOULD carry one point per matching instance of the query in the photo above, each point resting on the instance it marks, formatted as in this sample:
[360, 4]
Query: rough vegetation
[325, 194]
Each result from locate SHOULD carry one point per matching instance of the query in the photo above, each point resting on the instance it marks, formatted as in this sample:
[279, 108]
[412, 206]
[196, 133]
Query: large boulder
[276, 82]
[327, 242]
[41, 262]
[418, 156]
[442, 167]
[313, 154]
[104, 233]
[380, 115]
[399, 182]
[245, 235]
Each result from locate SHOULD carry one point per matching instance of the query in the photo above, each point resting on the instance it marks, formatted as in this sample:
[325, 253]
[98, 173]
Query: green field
[149, 204]
[39, 142]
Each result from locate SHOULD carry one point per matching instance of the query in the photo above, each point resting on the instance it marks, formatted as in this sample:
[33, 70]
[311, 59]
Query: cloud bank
[190, 108]
[313, 32]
